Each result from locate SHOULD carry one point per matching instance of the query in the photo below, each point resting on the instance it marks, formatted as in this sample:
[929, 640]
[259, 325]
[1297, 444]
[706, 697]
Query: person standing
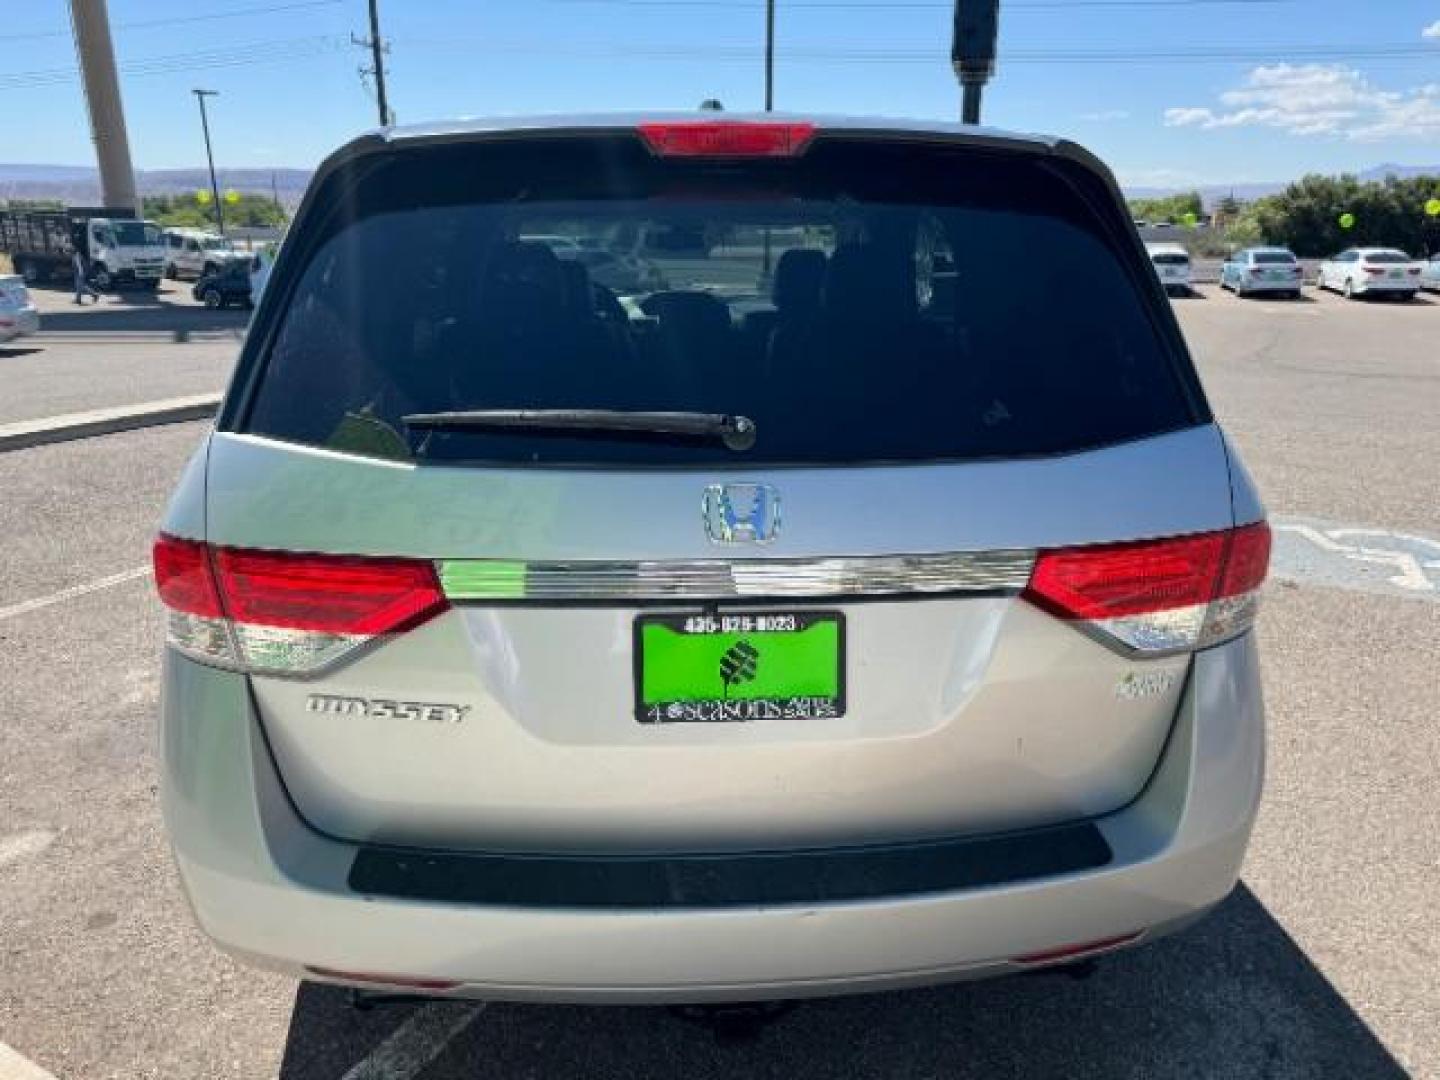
[83, 288]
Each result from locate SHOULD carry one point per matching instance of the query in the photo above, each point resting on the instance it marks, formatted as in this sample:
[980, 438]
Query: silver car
[529, 646]
[1262, 270]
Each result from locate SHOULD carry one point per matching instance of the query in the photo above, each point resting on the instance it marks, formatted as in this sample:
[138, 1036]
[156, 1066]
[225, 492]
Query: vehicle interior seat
[694, 338]
[795, 292]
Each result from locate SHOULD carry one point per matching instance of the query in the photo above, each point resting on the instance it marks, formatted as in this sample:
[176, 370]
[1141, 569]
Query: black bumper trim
[720, 881]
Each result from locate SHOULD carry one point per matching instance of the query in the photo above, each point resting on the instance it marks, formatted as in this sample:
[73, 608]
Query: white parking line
[15, 1067]
[27, 606]
[414, 1044]
[24, 844]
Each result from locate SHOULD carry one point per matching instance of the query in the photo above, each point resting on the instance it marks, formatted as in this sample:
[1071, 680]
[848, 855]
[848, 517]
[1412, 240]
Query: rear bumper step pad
[718, 881]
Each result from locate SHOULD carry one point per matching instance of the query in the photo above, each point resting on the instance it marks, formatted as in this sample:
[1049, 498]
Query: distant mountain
[1380, 172]
[79, 184]
[1213, 193]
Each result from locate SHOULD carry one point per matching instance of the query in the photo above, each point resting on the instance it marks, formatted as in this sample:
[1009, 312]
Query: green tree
[1306, 216]
[187, 211]
[1174, 208]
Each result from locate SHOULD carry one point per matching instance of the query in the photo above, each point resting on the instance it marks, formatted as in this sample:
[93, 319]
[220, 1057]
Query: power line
[744, 52]
[177, 19]
[257, 52]
[286, 50]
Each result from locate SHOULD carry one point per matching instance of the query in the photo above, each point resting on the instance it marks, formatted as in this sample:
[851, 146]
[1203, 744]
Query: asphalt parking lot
[1323, 963]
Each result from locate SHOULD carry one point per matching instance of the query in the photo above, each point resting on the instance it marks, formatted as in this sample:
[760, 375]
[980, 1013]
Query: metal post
[769, 107]
[200, 96]
[377, 50]
[970, 105]
[769, 55]
[972, 51]
[96, 54]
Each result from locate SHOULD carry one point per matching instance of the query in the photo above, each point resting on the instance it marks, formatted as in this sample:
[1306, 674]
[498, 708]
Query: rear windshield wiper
[736, 432]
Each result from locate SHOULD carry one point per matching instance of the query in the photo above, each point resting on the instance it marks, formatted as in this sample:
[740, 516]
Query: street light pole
[972, 51]
[769, 107]
[200, 96]
[769, 55]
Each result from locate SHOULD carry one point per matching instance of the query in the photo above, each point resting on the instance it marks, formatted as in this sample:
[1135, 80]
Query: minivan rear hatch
[643, 635]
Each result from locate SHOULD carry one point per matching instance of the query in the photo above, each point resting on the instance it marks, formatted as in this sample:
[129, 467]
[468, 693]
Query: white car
[1430, 274]
[18, 315]
[1359, 272]
[196, 252]
[1172, 266]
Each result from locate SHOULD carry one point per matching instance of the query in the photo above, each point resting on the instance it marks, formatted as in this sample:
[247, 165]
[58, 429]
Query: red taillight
[1296, 271]
[327, 594]
[1414, 271]
[1374, 270]
[1247, 560]
[727, 138]
[183, 577]
[1158, 596]
[1127, 579]
[282, 613]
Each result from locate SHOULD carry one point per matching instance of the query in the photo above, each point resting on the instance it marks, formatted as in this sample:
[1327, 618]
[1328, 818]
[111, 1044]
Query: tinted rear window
[1385, 258]
[1171, 258]
[1273, 258]
[860, 303]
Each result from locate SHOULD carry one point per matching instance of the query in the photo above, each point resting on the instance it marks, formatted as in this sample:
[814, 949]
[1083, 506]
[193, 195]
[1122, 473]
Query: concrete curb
[113, 337]
[54, 429]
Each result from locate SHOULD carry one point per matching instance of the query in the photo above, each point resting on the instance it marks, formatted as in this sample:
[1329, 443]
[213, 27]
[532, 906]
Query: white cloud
[1319, 99]
[1106, 115]
[1432, 31]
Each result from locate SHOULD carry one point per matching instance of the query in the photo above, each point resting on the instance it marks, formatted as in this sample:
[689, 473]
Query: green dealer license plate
[729, 666]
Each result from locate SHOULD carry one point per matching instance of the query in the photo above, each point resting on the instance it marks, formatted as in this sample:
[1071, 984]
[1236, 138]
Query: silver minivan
[833, 616]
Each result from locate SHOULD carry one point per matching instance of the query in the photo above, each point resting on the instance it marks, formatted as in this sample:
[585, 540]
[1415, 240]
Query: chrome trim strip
[722, 579]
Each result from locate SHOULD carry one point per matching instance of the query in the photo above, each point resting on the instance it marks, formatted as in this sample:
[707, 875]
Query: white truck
[117, 248]
[193, 253]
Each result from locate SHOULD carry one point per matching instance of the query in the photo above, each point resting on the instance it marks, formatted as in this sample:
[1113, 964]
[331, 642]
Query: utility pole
[769, 55]
[765, 267]
[200, 96]
[972, 52]
[96, 53]
[376, 44]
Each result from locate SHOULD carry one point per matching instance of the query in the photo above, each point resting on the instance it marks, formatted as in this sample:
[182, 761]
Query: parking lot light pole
[200, 96]
[972, 51]
[769, 107]
[769, 55]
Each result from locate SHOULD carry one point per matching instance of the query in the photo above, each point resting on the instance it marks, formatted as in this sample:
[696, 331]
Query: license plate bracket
[739, 666]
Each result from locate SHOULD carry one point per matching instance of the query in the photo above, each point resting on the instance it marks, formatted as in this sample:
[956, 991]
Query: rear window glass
[1171, 258]
[1273, 258]
[860, 303]
[1386, 258]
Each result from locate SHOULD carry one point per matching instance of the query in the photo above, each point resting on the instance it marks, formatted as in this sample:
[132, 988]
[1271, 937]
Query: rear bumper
[269, 889]
[1271, 286]
[1394, 288]
[15, 324]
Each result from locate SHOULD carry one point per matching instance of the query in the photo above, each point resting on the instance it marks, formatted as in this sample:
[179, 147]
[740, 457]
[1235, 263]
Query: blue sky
[1288, 86]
